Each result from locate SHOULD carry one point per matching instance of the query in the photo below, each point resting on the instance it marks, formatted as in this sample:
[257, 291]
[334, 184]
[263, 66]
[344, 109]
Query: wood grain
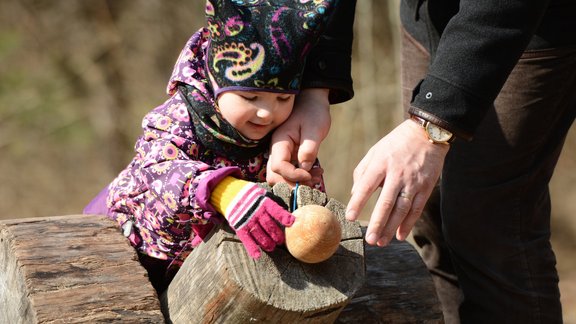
[72, 269]
[398, 289]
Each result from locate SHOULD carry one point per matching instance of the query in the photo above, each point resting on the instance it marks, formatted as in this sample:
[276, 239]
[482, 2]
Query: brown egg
[315, 234]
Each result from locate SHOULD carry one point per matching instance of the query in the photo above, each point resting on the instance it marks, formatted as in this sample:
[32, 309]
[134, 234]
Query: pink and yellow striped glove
[253, 213]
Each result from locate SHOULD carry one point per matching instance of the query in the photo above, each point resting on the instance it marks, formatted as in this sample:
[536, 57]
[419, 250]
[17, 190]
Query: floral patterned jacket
[161, 198]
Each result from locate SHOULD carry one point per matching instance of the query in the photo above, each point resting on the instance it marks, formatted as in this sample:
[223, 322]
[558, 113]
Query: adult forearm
[476, 52]
[329, 63]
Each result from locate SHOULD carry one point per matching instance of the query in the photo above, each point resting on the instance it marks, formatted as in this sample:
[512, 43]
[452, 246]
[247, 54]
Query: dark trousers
[487, 228]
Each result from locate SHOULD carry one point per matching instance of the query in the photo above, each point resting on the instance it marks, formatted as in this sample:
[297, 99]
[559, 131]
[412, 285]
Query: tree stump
[220, 283]
[72, 269]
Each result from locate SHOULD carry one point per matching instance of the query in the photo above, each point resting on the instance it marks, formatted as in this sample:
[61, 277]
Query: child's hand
[253, 213]
[255, 219]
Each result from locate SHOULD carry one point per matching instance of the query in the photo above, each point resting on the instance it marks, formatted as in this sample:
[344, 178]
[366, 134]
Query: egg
[315, 234]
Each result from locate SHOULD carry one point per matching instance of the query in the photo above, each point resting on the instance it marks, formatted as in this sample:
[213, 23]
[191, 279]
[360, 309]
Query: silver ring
[404, 194]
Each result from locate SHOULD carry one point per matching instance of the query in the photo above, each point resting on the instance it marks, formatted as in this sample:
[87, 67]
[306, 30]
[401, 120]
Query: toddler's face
[255, 113]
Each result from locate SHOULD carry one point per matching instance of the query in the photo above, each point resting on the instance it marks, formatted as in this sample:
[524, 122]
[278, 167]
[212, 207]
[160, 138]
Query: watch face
[438, 134]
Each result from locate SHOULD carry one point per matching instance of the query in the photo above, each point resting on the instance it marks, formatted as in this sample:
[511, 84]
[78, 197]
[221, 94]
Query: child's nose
[264, 113]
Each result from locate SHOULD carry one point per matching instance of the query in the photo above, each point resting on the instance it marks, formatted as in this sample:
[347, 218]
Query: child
[205, 148]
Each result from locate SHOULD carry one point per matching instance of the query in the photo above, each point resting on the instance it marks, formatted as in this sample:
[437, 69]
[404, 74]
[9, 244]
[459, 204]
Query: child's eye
[250, 98]
[287, 98]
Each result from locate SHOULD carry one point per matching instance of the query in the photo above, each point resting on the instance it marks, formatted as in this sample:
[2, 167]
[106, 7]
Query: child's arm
[160, 186]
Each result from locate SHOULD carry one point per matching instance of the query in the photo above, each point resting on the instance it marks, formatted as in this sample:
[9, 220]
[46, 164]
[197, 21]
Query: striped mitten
[253, 213]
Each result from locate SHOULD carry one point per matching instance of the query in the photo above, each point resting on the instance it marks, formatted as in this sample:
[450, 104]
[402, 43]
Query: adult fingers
[287, 173]
[280, 167]
[360, 169]
[415, 212]
[364, 186]
[307, 153]
[392, 216]
[389, 210]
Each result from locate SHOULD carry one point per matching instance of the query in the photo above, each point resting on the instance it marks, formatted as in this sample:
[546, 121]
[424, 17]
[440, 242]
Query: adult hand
[314, 176]
[407, 166]
[296, 142]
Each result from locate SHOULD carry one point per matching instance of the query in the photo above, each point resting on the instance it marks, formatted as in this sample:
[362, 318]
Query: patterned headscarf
[260, 44]
[190, 80]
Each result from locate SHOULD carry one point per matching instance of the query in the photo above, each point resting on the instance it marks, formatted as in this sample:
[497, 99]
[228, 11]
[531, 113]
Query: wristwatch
[435, 133]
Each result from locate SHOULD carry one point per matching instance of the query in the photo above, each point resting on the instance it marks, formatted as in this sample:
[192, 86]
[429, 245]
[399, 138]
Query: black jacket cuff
[448, 106]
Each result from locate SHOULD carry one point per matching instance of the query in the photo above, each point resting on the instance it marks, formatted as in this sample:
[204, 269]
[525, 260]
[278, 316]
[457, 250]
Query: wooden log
[72, 269]
[398, 289]
[220, 283]
[80, 268]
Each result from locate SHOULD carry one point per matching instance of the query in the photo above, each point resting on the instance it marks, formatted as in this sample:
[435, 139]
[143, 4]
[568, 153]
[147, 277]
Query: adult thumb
[307, 154]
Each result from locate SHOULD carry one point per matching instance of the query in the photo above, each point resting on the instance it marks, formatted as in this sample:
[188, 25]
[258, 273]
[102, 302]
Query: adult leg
[427, 230]
[495, 202]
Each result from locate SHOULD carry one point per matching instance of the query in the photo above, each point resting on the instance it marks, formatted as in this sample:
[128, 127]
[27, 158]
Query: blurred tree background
[76, 78]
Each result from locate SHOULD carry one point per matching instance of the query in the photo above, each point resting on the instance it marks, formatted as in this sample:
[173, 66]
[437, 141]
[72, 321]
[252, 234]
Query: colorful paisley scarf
[211, 129]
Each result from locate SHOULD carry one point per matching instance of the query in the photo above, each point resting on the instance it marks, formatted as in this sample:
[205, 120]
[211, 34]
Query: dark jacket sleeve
[476, 52]
[329, 63]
